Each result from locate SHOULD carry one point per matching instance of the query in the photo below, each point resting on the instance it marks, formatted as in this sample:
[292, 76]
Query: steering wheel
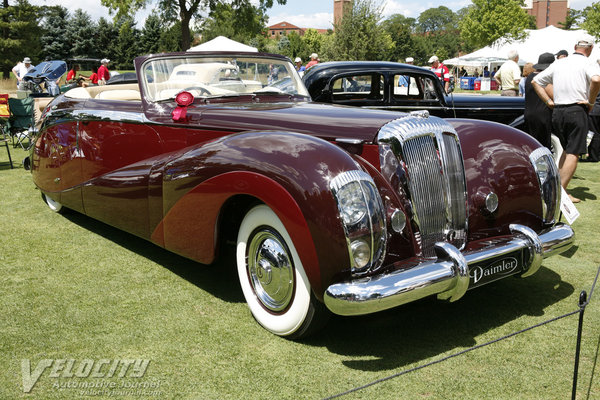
[203, 91]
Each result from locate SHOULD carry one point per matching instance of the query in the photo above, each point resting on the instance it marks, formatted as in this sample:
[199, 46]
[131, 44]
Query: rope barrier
[584, 300]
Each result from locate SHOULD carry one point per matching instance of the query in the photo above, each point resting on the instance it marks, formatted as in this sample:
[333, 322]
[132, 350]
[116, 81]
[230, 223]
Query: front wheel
[273, 279]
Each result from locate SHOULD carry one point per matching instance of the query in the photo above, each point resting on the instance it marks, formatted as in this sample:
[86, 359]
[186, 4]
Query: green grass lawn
[74, 288]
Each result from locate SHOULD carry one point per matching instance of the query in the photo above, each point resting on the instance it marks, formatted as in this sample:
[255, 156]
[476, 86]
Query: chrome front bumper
[448, 276]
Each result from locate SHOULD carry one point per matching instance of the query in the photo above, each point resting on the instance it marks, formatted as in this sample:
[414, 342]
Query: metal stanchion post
[582, 304]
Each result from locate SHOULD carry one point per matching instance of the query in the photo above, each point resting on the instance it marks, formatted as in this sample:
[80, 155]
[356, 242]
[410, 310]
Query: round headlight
[361, 253]
[352, 203]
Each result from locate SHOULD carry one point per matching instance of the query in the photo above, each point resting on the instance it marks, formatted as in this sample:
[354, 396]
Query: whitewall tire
[272, 277]
[53, 205]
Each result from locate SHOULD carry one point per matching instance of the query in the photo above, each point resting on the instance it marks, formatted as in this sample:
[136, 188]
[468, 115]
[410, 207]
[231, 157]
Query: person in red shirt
[314, 60]
[94, 76]
[103, 73]
[441, 71]
[72, 74]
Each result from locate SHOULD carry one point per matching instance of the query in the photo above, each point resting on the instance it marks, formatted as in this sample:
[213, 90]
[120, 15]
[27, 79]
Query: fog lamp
[361, 252]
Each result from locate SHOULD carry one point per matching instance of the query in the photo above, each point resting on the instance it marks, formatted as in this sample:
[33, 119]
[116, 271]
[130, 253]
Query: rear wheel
[53, 205]
[273, 279]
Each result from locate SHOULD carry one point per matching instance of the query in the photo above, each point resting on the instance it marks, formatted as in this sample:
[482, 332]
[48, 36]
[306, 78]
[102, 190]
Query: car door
[117, 149]
[412, 91]
[365, 89]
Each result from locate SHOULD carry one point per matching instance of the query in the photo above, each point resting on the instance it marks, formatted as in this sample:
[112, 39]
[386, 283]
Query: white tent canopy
[538, 41]
[221, 43]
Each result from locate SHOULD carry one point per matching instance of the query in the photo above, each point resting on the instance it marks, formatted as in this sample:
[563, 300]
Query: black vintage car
[403, 87]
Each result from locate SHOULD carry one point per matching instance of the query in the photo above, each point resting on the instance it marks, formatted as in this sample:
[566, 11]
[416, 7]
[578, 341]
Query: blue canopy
[50, 70]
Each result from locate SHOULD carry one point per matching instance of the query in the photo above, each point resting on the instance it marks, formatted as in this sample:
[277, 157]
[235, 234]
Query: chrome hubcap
[270, 269]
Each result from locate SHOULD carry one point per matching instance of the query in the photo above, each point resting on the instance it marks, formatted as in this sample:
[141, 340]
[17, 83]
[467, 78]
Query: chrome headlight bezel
[363, 219]
[549, 182]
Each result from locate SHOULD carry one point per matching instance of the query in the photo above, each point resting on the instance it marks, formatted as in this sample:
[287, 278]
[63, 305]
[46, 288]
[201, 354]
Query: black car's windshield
[220, 76]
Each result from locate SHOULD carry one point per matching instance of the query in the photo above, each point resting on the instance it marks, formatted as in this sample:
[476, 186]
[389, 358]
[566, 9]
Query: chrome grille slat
[429, 151]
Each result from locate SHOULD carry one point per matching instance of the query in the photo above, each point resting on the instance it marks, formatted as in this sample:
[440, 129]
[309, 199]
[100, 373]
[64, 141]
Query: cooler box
[485, 84]
[493, 84]
[467, 83]
[478, 84]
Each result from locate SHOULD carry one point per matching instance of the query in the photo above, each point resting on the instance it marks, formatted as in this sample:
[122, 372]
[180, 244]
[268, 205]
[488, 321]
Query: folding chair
[4, 116]
[21, 123]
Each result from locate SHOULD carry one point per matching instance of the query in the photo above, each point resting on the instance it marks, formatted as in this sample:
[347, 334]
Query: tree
[54, 40]
[240, 22]
[591, 20]
[125, 49]
[170, 39]
[489, 20]
[150, 35]
[435, 20]
[359, 36]
[313, 42]
[283, 46]
[573, 20]
[80, 33]
[106, 36]
[19, 33]
[400, 29]
[180, 10]
[297, 46]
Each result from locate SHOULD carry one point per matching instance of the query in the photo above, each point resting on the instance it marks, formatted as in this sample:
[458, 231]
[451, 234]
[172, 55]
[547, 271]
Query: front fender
[289, 172]
[496, 159]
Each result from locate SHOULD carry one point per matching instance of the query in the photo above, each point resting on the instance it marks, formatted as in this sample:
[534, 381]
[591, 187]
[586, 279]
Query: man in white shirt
[509, 75]
[576, 83]
[22, 68]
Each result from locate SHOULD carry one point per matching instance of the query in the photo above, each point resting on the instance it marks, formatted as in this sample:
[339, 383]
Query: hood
[324, 121]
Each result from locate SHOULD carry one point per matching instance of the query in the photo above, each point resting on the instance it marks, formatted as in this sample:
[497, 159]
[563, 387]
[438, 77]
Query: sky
[302, 13]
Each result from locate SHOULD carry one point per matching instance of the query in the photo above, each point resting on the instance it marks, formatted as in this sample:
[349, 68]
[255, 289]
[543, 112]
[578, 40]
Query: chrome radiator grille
[428, 151]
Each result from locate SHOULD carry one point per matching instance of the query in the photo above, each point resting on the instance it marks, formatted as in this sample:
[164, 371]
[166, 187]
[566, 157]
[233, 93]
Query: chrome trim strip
[543, 152]
[111, 115]
[447, 276]
[372, 226]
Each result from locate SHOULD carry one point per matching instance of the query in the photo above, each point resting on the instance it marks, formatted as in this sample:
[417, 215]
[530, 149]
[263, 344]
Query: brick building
[547, 12]
[284, 29]
[339, 8]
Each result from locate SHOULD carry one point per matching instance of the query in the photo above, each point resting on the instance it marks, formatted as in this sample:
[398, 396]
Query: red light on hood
[184, 99]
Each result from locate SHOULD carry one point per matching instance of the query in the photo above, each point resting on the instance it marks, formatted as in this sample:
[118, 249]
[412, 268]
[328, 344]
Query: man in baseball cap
[561, 54]
[576, 83]
[103, 73]
[442, 72]
[21, 69]
[299, 67]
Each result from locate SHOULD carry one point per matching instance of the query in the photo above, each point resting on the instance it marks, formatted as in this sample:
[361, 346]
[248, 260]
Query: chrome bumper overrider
[448, 276]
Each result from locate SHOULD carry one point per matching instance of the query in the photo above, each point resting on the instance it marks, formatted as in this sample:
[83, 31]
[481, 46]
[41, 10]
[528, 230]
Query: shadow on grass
[583, 193]
[569, 253]
[418, 331]
[219, 278]
[386, 340]
[4, 165]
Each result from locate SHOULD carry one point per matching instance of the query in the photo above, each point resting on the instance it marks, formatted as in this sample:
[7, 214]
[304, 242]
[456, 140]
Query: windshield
[215, 76]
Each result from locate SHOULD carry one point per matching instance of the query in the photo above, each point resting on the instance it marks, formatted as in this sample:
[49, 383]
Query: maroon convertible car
[332, 208]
